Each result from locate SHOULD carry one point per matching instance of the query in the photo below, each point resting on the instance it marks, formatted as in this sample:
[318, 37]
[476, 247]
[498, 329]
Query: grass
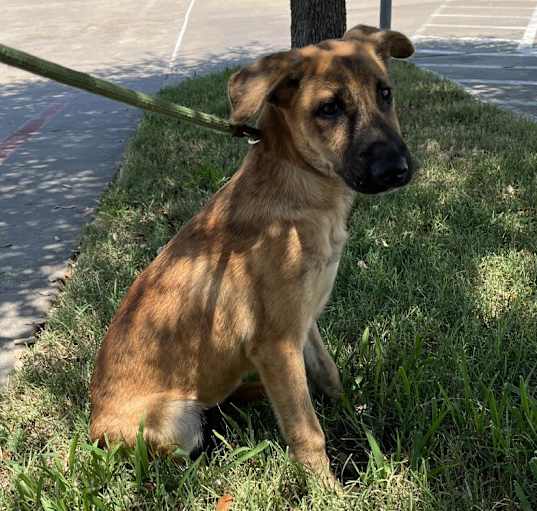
[433, 323]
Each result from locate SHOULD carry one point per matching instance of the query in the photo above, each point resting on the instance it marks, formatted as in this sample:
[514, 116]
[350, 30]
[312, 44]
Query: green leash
[67, 76]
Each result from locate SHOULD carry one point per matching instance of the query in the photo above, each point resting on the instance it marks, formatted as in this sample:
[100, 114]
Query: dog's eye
[329, 110]
[385, 93]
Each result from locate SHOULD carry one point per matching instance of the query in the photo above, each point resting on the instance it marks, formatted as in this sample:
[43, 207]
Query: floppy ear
[389, 43]
[270, 79]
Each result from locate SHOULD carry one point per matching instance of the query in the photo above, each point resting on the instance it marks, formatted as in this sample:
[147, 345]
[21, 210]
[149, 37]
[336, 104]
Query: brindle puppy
[241, 286]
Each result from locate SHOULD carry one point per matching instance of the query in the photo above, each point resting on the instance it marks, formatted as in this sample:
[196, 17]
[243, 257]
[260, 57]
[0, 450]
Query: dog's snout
[388, 165]
[385, 165]
[390, 171]
[401, 168]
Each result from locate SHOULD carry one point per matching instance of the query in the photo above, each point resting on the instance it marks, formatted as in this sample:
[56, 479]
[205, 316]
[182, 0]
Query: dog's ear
[272, 79]
[388, 43]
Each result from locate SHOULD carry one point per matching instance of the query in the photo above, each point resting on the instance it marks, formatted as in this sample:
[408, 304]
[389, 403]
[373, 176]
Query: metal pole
[385, 14]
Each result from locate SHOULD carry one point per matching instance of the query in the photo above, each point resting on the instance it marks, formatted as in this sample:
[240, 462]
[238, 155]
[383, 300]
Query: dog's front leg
[282, 371]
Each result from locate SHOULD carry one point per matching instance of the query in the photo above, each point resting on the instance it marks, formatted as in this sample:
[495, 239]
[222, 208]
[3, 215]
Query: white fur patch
[181, 425]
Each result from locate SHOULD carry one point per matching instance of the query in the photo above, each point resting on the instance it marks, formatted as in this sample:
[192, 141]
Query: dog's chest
[325, 285]
[335, 240]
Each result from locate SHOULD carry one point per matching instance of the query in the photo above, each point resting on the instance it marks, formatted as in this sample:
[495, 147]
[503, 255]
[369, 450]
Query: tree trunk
[316, 20]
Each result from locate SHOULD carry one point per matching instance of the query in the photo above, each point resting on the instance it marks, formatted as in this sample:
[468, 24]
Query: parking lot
[488, 46]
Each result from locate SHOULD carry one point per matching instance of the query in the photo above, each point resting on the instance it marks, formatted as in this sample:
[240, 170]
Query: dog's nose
[390, 172]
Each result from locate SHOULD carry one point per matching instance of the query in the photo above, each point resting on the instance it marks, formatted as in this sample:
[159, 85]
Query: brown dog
[241, 286]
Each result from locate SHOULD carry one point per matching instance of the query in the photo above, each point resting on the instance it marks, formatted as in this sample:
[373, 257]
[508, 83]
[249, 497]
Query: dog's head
[331, 107]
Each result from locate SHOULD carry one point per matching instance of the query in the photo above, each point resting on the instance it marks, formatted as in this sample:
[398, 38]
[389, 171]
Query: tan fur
[241, 286]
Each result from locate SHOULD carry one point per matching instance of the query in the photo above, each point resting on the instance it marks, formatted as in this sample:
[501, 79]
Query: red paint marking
[9, 145]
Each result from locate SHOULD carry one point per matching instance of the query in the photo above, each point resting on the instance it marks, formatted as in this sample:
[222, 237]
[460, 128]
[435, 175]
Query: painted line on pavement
[487, 40]
[478, 66]
[498, 82]
[531, 31]
[484, 3]
[480, 7]
[180, 37]
[498, 27]
[10, 144]
[495, 16]
[440, 53]
[496, 101]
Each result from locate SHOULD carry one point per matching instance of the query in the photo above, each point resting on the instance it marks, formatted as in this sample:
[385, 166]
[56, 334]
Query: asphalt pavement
[59, 148]
[487, 46]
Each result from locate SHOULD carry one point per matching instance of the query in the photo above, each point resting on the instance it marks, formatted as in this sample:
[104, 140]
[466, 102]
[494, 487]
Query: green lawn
[433, 323]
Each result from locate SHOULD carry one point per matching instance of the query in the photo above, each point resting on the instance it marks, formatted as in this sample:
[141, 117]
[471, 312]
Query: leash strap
[84, 81]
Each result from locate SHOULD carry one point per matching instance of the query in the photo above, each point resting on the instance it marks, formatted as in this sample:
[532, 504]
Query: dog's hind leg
[168, 424]
[322, 372]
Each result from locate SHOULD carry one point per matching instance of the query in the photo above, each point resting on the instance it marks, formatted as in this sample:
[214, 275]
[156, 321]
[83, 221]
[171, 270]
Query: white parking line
[454, 39]
[180, 37]
[499, 27]
[452, 12]
[496, 101]
[531, 31]
[439, 52]
[484, 3]
[502, 16]
[480, 7]
[477, 66]
[498, 82]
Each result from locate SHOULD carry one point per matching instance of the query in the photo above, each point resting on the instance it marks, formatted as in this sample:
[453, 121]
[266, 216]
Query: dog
[241, 286]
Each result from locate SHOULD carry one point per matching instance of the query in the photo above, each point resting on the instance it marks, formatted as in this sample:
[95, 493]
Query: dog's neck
[274, 184]
[270, 187]
[294, 183]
